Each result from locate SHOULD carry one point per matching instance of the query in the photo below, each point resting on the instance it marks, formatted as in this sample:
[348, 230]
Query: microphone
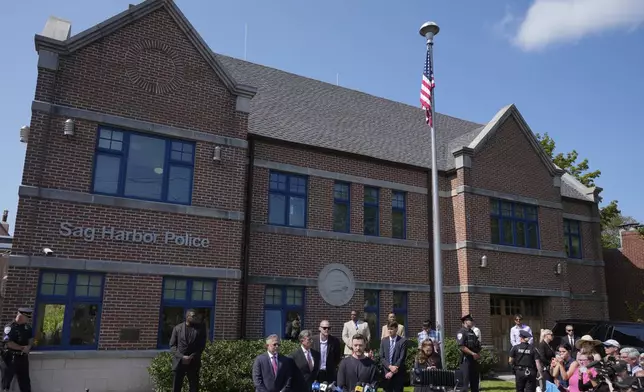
[315, 386]
[324, 386]
[359, 387]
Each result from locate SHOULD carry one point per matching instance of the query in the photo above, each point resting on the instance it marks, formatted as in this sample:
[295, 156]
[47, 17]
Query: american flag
[427, 89]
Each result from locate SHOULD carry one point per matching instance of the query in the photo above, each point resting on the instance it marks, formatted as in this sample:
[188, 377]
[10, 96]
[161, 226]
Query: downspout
[246, 235]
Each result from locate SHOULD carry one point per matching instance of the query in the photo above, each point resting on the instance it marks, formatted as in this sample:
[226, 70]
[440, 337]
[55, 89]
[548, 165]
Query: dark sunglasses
[275, 344]
[569, 330]
[325, 328]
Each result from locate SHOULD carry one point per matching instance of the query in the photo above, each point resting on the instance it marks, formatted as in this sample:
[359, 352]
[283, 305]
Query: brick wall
[625, 276]
[116, 75]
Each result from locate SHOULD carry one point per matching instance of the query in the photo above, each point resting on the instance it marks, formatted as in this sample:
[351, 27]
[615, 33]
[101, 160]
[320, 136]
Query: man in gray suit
[273, 372]
[393, 352]
[186, 344]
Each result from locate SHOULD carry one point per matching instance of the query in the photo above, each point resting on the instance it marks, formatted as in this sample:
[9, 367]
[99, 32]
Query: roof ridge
[342, 87]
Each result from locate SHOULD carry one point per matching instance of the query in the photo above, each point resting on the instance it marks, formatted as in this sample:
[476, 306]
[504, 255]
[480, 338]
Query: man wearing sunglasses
[329, 348]
[19, 342]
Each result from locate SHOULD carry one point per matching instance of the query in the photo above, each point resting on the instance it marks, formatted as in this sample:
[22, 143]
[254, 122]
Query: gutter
[246, 236]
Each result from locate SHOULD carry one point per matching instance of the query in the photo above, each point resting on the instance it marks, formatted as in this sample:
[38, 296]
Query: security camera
[48, 252]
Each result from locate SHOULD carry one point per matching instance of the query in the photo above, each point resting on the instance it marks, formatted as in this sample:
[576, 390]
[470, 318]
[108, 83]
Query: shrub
[227, 364]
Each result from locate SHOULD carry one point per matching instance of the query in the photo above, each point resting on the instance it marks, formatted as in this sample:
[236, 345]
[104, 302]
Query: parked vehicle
[626, 333]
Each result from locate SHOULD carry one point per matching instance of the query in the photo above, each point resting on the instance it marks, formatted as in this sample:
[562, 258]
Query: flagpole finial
[429, 30]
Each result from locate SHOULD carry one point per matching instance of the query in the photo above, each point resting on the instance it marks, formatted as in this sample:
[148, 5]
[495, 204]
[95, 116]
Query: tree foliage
[610, 215]
[636, 312]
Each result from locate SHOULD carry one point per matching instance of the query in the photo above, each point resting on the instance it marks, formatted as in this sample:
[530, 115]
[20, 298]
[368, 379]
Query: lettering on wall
[110, 233]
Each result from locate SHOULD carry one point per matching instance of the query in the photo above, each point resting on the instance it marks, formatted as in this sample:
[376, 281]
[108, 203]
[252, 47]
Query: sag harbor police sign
[90, 234]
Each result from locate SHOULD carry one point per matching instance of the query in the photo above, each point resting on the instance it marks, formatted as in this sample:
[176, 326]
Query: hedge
[227, 364]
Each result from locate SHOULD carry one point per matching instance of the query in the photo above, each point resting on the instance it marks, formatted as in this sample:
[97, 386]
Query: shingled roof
[297, 109]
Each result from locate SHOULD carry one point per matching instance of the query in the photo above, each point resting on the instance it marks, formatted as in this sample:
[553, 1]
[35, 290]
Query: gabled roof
[66, 45]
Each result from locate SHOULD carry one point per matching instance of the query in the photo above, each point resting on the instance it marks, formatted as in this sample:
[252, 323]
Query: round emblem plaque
[154, 66]
[336, 284]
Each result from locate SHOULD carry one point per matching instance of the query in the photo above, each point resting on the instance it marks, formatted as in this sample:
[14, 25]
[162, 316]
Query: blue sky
[573, 70]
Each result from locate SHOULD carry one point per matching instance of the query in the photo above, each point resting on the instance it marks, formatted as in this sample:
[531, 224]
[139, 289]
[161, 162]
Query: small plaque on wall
[129, 335]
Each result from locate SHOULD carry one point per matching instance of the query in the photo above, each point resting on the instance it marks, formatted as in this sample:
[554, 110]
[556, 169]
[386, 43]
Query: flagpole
[429, 30]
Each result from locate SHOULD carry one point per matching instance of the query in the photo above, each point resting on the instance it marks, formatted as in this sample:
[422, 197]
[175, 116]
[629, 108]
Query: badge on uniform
[459, 336]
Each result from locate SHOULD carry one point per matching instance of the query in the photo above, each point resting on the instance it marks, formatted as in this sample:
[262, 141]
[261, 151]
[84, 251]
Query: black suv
[627, 334]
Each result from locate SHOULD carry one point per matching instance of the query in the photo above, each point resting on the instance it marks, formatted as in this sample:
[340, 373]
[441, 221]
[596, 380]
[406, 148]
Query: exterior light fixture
[484, 261]
[24, 134]
[69, 127]
[558, 269]
[217, 155]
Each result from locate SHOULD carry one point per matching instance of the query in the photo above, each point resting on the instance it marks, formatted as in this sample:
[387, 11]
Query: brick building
[625, 277]
[256, 195]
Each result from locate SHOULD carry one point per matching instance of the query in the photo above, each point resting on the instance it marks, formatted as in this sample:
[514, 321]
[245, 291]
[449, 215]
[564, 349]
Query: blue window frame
[514, 224]
[371, 211]
[372, 315]
[572, 235]
[398, 214]
[68, 310]
[400, 307]
[181, 294]
[287, 199]
[283, 305]
[140, 166]
[342, 207]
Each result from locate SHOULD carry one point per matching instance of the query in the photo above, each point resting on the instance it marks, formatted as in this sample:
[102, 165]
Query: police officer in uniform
[20, 339]
[526, 363]
[470, 347]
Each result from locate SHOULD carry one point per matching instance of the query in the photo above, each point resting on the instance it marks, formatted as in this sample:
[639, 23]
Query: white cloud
[566, 21]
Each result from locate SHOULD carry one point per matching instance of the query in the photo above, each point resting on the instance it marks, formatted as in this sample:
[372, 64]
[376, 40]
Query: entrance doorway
[502, 311]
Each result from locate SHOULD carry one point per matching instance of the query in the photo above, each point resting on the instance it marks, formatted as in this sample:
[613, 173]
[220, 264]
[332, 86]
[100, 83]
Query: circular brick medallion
[336, 284]
[154, 66]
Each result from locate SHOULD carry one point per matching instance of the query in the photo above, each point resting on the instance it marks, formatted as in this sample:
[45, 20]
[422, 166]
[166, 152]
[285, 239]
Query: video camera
[607, 370]
[608, 373]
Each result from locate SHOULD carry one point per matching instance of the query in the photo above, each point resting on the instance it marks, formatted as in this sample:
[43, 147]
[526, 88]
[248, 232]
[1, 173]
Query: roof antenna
[245, 39]
[337, 79]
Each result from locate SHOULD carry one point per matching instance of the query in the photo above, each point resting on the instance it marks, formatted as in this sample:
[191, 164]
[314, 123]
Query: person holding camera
[526, 363]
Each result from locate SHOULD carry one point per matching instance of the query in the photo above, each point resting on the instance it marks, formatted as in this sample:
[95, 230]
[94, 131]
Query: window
[400, 307]
[287, 200]
[371, 212]
[181, 294]
[572, 235]
[283, 306]
[514, 224]
[398, 216]
[68, 310]
[371, 315]
[342, 207]
[144, 167]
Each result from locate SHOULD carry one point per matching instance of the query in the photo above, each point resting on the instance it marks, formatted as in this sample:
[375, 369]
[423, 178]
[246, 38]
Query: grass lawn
[488, 386]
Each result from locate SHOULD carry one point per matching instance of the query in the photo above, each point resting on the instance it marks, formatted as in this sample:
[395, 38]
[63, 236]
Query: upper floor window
[287, 200]
[398, 214]
[572, 235]
[371, 211]
[180, 295]
[144, 167]
[342, 207]
[514, 224]
[68, 310]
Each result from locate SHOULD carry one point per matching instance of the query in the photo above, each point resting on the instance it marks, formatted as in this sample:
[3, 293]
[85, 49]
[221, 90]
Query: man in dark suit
[393, 352]
[307, 363]
[273, 372]
[330, 352]
[571, 339]
[187, 342]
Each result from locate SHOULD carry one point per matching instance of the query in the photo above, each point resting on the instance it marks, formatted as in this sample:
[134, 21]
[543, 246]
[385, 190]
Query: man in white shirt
[330, 352]
[518, 327]
[352, 327]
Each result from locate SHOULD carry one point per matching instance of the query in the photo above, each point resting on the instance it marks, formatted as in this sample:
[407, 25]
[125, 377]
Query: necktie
[392, 344]
[274, 361]
[310, 360]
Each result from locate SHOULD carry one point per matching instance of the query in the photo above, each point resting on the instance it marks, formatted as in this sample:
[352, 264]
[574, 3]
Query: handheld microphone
[359, 387]
[324, 386]
[315, 386]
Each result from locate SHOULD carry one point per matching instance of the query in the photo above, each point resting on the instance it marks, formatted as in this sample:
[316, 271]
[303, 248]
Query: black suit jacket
[264, 378]
[400, 354]
[304, 376]
[333, 355]
[194, 346]
[565, 339]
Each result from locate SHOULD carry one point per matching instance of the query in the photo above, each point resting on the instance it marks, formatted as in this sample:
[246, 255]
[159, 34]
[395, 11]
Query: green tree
[636, 312]
[610, 215]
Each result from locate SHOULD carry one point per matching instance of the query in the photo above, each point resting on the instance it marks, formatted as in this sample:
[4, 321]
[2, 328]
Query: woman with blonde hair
[546, 352]
[588, 346]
